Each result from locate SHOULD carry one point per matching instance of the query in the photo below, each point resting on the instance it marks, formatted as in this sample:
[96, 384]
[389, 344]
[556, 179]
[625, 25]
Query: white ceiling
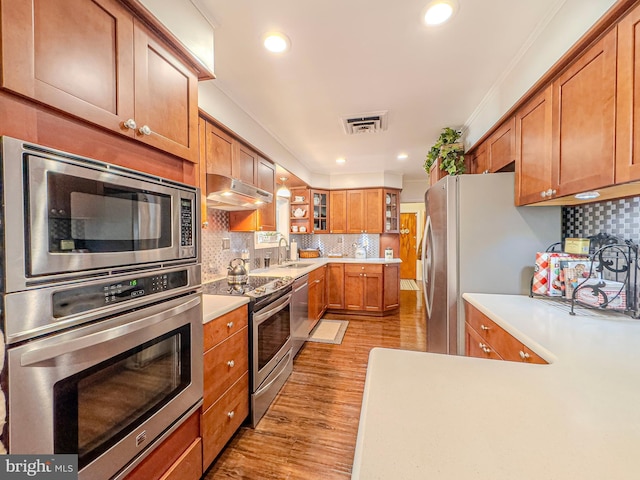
[356, 56]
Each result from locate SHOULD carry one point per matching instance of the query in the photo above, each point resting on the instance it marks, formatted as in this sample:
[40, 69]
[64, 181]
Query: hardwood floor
[310, 429]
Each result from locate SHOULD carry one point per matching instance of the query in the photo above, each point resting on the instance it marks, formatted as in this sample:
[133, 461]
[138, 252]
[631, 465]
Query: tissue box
[610, 289]
[579, 246]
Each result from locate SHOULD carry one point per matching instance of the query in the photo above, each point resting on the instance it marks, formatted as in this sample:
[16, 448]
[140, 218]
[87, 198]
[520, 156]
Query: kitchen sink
[297, 265]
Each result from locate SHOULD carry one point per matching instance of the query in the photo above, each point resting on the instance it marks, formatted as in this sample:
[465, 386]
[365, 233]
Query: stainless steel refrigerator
[475, 240]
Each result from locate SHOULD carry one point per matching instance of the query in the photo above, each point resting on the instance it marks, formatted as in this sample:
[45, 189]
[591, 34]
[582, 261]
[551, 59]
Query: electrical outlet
[226, 244]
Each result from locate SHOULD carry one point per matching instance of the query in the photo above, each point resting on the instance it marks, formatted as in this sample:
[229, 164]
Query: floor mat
[408, 285]
[329, 331]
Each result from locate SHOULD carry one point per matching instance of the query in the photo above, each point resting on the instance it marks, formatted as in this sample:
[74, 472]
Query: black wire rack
[611, 259]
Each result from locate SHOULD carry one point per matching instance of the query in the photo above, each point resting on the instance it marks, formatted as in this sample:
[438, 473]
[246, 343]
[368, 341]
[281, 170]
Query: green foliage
[450, 153]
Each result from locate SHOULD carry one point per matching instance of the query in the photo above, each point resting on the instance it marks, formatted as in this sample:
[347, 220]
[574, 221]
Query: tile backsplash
[620, 218]
[215, 259]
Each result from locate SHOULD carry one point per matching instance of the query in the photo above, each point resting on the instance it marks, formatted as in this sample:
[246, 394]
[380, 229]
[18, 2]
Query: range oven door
[106, 390]
[80, 215]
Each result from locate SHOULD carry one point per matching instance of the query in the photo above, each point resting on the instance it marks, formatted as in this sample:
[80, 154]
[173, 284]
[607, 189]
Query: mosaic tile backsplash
[215, 259]
[620, 218]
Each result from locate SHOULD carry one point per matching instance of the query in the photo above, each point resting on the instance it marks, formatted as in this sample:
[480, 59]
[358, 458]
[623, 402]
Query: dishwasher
[299, 313]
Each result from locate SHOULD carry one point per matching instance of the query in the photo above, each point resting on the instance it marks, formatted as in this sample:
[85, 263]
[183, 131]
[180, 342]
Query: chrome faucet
[286, 247]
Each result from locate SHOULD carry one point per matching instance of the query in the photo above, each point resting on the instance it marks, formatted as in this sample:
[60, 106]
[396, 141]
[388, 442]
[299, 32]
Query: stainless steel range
[269, 335]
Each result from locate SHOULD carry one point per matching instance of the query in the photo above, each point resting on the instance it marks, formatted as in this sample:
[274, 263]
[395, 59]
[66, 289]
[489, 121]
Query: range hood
[229, 194]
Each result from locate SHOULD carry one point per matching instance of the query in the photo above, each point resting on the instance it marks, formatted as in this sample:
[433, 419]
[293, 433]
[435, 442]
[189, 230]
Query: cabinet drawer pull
[231, 414]
[231, 363]
[230, 325]
[484, 327]
[486, 350]
[524, 355]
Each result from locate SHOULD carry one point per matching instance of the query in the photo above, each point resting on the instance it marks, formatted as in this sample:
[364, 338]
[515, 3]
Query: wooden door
[374, 210]
[335, 285]
[391, 286]
[166, 98]
[218, 150]
[408, 245]
[338, 211]
[355, 211]
[76, 56]
[353, 288]
[533, 148]
[584, 121]
[628, 99]
[243, 163]
[501, 148]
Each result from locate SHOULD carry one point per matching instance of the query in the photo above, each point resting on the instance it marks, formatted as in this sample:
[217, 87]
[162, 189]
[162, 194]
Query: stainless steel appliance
[300, 313]
[110, 388]
[72, 216]
[271, 360]
[102, 312]
[475, 240]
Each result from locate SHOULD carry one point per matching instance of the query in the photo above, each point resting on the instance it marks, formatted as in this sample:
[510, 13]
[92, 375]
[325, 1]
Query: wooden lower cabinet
[486, 339]
[317, 294]
[226, 381]
[335, 285]
[391, 288]
[363, 287]
[179, 456]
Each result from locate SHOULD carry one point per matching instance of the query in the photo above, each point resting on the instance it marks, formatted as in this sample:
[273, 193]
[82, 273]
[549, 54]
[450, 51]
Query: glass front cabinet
[391, 211]
[320, 209]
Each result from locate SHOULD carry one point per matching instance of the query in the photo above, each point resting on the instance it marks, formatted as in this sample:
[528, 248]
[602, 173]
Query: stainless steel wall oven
[102, 313]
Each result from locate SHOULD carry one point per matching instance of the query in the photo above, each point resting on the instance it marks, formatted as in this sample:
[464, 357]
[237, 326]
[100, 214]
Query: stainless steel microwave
[67, 217]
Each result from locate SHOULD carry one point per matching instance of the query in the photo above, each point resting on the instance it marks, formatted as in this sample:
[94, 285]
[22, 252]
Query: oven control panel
[85, 298]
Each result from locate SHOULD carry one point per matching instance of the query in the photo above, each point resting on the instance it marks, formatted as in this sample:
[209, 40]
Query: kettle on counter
[361, 253]
[237, 273]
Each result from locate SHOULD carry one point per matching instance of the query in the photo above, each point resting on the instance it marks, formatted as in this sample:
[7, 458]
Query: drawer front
[224, 365]
[478, 346]
[221, 421]
[361, 268]
[317, 274]
[188, 466]
[221, 328]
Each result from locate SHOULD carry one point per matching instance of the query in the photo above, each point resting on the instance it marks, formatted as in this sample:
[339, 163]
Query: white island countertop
[440, 417]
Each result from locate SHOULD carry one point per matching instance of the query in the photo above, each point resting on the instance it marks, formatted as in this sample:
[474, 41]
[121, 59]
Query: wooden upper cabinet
[243, 163]
[338, 211]
[583, 154]
[628, 99]
[500, 147]
[533, 148]
[365, 212]
[480, 160]
[166, 98]
[218, 147]
[265, 175]
[93, 60]
[75, 55]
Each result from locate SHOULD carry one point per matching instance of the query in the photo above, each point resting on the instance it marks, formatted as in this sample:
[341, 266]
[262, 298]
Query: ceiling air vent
[365, 122]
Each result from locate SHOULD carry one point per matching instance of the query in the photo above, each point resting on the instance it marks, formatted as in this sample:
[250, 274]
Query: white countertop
[214, 306]
[283, 270]
[440, 417]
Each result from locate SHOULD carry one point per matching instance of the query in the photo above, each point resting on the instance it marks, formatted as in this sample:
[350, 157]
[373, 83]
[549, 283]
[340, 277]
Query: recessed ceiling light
[341, 161]
[587, 195]
[276, 42]
[402, 156]
[439, 11]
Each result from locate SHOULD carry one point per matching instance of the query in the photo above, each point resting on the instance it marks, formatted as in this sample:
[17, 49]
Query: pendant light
[283, 191]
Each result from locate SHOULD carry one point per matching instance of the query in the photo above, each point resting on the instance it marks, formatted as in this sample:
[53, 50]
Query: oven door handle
[47, 353]
[280, 304]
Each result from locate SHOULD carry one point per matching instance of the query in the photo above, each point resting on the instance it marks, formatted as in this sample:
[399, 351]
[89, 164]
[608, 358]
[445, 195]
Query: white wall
[553, 38]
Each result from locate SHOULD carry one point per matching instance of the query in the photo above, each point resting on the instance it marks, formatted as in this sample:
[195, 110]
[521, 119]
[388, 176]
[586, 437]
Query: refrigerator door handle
[427, 271]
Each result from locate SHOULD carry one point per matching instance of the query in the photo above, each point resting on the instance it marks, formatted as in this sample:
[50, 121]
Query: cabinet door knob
[486, 350]
[231, 363]
[145, 130]
[524, 355]
[130, 124]
[484, 327]
[543, 194]
[230, 325]
[231, 414]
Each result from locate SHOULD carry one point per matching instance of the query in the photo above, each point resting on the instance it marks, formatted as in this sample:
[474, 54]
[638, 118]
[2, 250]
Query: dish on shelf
[298, 198]
[316, 200]
[299, 212]
[388, 199]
